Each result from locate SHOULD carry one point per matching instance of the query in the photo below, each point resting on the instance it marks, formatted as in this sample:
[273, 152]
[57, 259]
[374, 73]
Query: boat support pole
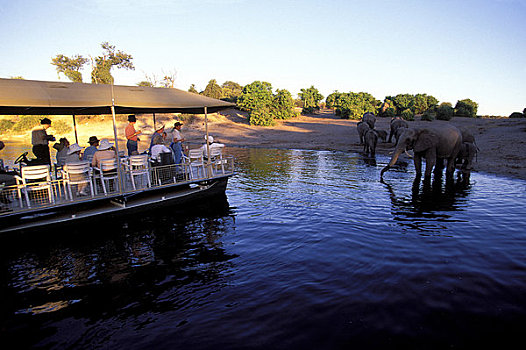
[75, 127]
[119, 170]
[207, 143]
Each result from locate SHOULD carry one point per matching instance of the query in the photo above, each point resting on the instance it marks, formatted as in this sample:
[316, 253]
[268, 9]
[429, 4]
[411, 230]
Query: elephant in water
[362, 128]
[436, 142]
[371, 139]
[468, 151]
[396, 124]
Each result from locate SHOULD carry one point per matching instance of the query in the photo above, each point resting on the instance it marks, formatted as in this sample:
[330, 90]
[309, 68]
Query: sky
[451, 49]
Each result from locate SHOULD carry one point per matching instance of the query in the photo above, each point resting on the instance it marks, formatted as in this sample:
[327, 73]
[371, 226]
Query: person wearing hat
[106, 151]
[73, 156]
[211, 145]
[177, 142]
[157, 149]
[131, 135]
[90, 151]
[62, 150]
[158, 132]
[40, 140]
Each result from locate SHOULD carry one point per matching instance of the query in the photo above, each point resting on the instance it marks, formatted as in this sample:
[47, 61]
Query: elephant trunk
[394, 158]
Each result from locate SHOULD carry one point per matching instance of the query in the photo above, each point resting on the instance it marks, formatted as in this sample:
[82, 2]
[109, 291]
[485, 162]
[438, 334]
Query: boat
[132, 187]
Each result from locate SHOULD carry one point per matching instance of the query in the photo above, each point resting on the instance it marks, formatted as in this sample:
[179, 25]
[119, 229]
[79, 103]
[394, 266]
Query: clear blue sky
[451, 49]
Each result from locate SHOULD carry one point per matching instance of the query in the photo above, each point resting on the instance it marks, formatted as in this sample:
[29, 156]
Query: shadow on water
[429, 199]
[115, 270]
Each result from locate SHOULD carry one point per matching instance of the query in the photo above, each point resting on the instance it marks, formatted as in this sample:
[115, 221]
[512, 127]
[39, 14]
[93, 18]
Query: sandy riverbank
[502, 142]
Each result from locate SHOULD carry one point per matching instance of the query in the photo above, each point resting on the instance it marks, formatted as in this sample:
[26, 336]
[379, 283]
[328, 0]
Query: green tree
[26, 122]
[353, 105]
[466, 108]
[213, 90]
[444, 111]
[311, 98]
[102, 65]
[193, 89]
[231, 91]
[283, 105]
[330, 101]
[70, 66]
[403, 102]
[145, 83]
[6, 125]
[257, 99]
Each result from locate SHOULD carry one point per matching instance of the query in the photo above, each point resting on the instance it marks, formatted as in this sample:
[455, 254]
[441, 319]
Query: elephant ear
[425, 140]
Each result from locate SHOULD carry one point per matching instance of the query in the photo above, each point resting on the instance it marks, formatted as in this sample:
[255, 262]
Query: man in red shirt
[131, 136]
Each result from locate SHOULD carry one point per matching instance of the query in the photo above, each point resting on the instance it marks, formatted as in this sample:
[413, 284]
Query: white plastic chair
[216, 159]
[34, 172]
[77, 174]
[107, 165]
[138, 165]
[195, 162]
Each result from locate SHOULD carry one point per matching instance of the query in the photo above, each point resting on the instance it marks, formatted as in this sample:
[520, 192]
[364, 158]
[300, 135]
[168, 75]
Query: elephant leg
[418, 164]
[430, 164]
[450, 170]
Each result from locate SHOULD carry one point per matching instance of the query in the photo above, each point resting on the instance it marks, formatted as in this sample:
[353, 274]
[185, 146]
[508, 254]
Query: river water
[307, 250]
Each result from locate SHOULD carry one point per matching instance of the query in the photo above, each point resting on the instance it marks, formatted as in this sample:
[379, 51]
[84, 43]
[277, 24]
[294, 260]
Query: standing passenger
[39, 140]
[131, 135]
[177, 142]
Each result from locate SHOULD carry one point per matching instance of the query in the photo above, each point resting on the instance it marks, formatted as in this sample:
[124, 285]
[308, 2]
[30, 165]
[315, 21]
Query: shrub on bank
[407, 114]
[444, 112]
[517, 115]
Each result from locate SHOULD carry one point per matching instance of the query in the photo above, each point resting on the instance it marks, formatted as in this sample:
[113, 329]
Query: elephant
[370, 119]
[396, 124]
[436, 142]
[399, 132]
[362, 128]
[468, 151]
[371, 139]
[382, 134]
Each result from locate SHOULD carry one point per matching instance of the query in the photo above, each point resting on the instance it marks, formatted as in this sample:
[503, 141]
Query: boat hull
[107, 208]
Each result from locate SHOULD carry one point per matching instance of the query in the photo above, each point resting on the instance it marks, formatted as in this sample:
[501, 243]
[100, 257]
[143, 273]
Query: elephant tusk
[408, 154]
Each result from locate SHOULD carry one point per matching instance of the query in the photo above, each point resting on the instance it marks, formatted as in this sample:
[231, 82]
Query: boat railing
[58, 192]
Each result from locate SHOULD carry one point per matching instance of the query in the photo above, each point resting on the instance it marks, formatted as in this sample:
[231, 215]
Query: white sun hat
[105, 144]
[74, 148]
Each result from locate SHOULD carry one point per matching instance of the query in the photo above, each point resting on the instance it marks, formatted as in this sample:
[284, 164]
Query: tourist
[62, 151]
[177, 142]
[131, 135]
[158, 149]
[74, 157]
[90, 151]
[211, 145]
[40, 140]
[158, 132]
[105, 151]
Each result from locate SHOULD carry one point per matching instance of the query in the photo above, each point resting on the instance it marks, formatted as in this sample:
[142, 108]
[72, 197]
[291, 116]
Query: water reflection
[432, 200]
[157, 261]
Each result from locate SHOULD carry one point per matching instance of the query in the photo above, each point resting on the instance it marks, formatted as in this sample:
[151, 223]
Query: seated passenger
[157, 151]
[106, 151]
[73, 153]
[62, 151]
[211, 145]
[72, 158]
[90, 151]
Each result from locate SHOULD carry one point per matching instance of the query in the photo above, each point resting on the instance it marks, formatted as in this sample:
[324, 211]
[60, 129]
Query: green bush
[283, 105]
[27, 122]
[429, 115]
[389, 113]
[466, 108]
[6, 125]
[407, 114]
[444, 112]
[261, 117]
[517, 115]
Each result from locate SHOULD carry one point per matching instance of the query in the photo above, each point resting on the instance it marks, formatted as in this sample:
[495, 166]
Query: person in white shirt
[211, 145]
[158, 148]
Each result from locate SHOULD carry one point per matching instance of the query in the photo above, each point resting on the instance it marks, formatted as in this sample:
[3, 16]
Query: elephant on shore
[436, 142]
[370, 119]
[396, 124]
